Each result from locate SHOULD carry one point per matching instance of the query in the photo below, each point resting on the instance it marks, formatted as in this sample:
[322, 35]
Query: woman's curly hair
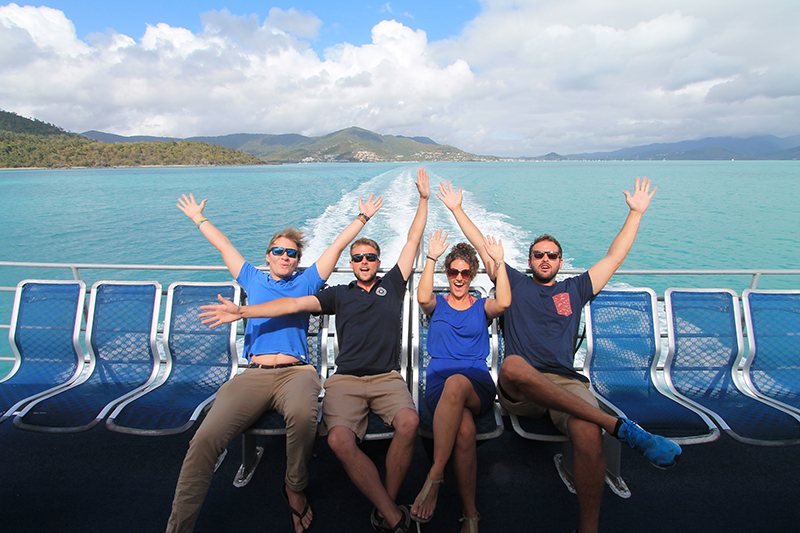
[465, 252]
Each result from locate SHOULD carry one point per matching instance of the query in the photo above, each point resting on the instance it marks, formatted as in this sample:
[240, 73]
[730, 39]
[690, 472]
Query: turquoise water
[705, 214]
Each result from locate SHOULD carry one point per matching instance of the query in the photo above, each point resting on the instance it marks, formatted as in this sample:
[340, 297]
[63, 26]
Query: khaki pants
[291, 391]
[534, 410]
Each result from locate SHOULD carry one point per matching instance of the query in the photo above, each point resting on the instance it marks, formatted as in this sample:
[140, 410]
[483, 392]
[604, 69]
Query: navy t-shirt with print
[541, 323]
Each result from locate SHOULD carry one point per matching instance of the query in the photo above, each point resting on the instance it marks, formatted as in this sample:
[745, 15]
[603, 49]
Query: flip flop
[295, 513]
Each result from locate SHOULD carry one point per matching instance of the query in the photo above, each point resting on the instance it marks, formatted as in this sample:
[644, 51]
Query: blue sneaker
[661, 452]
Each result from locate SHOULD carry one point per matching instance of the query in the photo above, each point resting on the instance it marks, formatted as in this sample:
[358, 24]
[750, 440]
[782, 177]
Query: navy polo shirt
[368, 324]
[541, 323]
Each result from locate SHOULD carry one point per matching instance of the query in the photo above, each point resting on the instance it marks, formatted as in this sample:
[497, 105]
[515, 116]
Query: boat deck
[103, 481]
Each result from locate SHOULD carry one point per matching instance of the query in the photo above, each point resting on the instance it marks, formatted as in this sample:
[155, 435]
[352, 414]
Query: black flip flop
[295, 513]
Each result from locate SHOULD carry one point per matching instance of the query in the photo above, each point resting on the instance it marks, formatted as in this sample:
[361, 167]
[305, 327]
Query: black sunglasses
[454, 272]
[357, 258]
[552, 256]
[277, 251]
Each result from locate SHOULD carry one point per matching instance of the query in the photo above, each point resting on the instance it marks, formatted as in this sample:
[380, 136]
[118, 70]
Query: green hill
[31, 143]
[347, 145]
[352, 144]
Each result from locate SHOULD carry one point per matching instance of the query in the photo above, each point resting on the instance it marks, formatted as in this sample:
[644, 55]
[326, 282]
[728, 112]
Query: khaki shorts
[349, 399]
[534, 410]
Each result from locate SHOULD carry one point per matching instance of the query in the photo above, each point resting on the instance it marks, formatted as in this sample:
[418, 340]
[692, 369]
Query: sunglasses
[552, 256]
[278, 251]
[454, 272]
[357, 258]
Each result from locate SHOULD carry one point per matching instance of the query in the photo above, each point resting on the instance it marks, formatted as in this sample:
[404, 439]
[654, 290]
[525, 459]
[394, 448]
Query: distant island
[26, 143]
[758, 148]
[350, 145]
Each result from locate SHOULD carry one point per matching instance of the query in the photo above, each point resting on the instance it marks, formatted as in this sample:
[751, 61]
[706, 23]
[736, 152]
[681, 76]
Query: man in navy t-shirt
[537, 376]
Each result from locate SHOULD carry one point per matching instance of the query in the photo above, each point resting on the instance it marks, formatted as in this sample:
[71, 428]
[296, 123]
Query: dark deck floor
[100, 481]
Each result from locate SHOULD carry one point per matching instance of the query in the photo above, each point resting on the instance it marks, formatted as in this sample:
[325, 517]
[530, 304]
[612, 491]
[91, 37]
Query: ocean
[705, 215]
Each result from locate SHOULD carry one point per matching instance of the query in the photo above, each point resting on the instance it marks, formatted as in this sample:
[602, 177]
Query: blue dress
[458, 343]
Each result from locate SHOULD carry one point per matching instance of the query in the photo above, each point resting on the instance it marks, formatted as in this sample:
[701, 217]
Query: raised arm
[436, 247]
[227, 311]
[409, 251]
[494, 249]
[327, 261]
[233, 259]
[638, 202]
[452, 200]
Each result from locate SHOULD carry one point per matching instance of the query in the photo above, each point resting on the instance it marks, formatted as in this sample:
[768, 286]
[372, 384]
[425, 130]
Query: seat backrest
[44, 336]
[121, 332]
[772, 367]
[196, 353]
[623, 343]
[705, 339]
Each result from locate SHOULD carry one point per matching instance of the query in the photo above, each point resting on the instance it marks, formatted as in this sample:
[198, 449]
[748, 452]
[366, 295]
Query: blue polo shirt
[541, 323]
[368, 324]
[285, 334]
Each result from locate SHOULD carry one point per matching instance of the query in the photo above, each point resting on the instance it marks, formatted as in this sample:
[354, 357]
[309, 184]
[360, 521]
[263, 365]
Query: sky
[492, 77]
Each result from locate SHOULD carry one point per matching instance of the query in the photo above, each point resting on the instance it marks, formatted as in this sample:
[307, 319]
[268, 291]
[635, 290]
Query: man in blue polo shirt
[368, 321]
[278, 377]
[537, 376]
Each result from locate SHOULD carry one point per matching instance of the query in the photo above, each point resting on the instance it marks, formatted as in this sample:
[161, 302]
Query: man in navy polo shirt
[368, 320]
[537, 376]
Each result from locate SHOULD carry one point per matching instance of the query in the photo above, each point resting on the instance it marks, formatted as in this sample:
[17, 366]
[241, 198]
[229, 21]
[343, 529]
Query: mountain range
[762, 147]
[347, 145]
[357, 144]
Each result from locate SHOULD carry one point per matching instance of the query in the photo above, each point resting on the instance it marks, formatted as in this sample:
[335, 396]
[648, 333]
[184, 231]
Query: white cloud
[523, 78]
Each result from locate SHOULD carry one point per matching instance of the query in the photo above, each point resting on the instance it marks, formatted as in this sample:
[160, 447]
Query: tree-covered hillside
[32, 143]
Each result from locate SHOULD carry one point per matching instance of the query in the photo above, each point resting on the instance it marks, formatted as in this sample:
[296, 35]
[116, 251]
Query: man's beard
[544, 279]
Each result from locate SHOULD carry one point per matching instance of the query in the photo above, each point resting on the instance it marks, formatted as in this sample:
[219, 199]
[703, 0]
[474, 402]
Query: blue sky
[341, 21]
[498, 77]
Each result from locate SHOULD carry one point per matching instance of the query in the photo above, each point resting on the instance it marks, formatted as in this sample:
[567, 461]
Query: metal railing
[76, 270]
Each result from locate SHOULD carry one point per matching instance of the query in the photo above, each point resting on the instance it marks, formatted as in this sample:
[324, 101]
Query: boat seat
[44, 335]
[123, 360]
[702, 368]
[198, 360]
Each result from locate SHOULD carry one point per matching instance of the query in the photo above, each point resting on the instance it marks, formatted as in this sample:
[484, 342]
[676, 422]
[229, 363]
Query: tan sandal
[472, 522]
[423, 495]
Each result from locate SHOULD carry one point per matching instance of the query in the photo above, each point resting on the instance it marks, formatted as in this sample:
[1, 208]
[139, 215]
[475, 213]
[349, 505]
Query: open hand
[450, 198]
[222, 313]
[371, 206]
[640, 199]
[437, 244]
[493, 247]
[422, 184]
[191, 208]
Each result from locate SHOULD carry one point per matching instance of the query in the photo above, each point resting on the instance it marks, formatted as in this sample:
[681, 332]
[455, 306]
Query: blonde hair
[293, 234]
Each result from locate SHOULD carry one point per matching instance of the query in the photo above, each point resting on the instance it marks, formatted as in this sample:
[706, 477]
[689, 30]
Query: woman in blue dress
[458, 385]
